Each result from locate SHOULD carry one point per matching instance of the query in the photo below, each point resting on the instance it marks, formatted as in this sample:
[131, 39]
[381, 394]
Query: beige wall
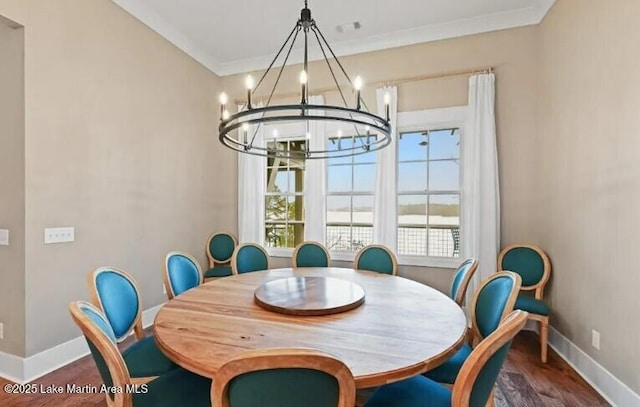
[589, 176]
[121, 144]
[12, 308]
[513, 55]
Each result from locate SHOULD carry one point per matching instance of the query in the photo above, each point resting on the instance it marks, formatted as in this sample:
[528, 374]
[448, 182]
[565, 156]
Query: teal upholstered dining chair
[115, 293]
[475, 383]
[249, 257]
[533, 265]
[461, 280]
[493, 301]
[284, 378]
[220, 247]
[376, 258]
[310, 254]
[181, 273]
[175, 388]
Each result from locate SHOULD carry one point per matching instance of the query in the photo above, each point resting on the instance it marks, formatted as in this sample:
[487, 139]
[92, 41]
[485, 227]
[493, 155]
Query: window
[429, 192]
[350, 197]
[284, 209]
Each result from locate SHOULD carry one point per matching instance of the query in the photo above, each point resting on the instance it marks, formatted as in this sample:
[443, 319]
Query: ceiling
[231, 36]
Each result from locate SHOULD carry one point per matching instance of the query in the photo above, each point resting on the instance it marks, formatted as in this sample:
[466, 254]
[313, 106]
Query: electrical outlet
[595, 339]
[1, 330]
[4, 237]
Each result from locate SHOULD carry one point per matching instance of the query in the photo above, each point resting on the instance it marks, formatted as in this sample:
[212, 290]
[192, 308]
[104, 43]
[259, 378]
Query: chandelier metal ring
[371, 132]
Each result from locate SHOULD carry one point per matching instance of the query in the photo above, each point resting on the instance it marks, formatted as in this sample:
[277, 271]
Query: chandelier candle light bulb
[387, 102]
[303, 82]
[249, 83]
[245, 131]
[340, 139]
[357, 84]
[223, 104]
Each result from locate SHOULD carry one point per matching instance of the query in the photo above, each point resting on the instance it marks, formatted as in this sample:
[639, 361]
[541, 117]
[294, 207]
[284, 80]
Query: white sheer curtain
[251, 189]
[385, 230]
[315, 184]
[480, 190]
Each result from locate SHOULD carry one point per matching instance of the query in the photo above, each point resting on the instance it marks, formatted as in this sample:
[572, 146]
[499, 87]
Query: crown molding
[468, 26]
[140, 11]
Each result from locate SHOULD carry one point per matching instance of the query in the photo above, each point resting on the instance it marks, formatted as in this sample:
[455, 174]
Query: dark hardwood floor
[523, 382]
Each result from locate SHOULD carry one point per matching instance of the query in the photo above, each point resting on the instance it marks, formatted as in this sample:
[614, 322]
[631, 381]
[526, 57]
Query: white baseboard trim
[24, 370]
[610, 387]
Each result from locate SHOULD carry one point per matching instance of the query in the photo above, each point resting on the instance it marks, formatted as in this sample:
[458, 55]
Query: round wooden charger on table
[402, 329]
[309, 295]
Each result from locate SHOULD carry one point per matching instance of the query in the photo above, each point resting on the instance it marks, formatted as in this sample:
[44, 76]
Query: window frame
[429, 120]
[286, 132]
[349, 255]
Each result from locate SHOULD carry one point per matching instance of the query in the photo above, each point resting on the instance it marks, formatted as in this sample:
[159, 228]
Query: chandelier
[370, 132]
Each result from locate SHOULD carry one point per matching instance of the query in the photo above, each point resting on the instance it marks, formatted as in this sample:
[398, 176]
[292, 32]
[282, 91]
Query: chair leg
[544, 335]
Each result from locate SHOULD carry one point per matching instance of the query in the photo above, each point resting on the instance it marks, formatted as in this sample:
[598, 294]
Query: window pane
[363, 209]
[444, 144]
[278, 181]
[296, 209]
[332, 145]
[444, 210]
[338, 209]
[291, 241]
[369, 157]
[339, 178]
[275, 207]
[412, 177]
[444, 175]
[410, 147]
[444, 225]
[364, 177]
[412, 210]
[275, 235]
[339, 237]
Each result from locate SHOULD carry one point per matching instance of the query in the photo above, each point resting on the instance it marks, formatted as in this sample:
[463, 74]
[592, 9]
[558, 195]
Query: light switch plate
[59, 235]
[4, 237]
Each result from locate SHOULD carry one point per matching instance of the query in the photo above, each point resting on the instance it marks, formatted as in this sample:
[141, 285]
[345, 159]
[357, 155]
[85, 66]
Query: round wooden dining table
[402, 328]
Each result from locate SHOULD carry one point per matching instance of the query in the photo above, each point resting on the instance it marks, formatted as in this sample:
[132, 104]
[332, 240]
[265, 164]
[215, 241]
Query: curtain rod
[406, 79]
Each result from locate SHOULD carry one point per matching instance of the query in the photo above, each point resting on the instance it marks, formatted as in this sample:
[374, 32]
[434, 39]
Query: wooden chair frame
[464, 284]
[543, 320]
[212, 261]
[234, 269]
[294, 257]
[394, 259]
[508, 308]
[108, 350]
[165, 274]
[136, 326]
[471, 368]
[283, 358]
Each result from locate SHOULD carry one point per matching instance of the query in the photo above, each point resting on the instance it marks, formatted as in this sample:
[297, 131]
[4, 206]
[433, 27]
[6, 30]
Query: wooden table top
[404, 328]
[309, 295]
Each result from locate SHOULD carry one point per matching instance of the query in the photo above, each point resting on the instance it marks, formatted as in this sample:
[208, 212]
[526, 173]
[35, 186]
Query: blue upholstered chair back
[284, 378]
[493, 301]
[479, 373]
[100, 337]
[310, 254]
[117, 295]
[530, 262]
[376, 258]
[249, 257]
[182, 273]
[461, 279]
[221, 247]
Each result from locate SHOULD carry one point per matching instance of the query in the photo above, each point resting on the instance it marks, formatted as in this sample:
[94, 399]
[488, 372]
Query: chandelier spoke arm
[275, 85]
[316, 31]
[266, 72]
